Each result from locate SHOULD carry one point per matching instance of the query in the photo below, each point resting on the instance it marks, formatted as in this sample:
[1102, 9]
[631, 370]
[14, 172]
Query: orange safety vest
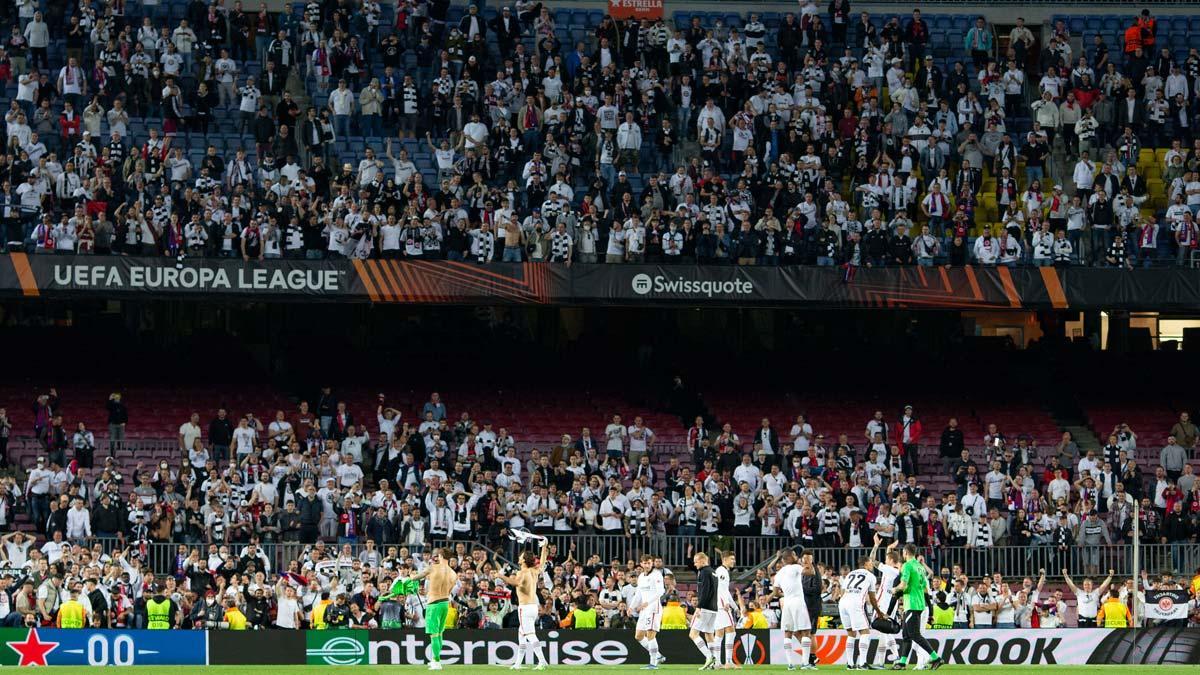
[1133, 38]
[1149, 26]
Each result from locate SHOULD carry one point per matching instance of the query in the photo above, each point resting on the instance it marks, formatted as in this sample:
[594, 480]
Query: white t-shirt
[639, 437]
[53, 550]
[787, 579]
[342, 101]
[288, 607]
[982, 619]
[800, 436]
[18, 554]
[616, 242]
[615, 433]
[244, 438]
[279, 430]
[190, 432]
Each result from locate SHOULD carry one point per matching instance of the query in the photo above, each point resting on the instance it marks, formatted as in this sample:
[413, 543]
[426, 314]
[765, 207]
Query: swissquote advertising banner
[635, 9]
[1066, 646]
[448, 282]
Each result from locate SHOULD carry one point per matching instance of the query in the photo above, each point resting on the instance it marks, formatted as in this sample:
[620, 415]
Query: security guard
[317, 618]
[1113, 613]
[234, 618]
[674, 616]
[582, 615]
[942, 613]
[71, 613]
[160, 611]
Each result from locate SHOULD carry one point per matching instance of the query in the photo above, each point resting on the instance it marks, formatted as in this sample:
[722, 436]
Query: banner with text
[1062, 646]
[491, 647]
[636, 9]
[1167, 605]
[448, 282]
[82, 647]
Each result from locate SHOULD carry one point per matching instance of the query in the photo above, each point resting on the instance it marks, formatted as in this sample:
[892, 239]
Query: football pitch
[665, 669]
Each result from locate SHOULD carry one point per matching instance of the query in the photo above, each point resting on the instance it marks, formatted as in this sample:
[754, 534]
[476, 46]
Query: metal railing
[752, 553]
[20, 445]
[1012, 561]
[162, 558]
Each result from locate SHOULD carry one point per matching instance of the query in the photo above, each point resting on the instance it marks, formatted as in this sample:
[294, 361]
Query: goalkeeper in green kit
[914, 586]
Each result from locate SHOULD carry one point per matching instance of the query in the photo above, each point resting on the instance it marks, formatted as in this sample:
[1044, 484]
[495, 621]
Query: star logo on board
[32, 651]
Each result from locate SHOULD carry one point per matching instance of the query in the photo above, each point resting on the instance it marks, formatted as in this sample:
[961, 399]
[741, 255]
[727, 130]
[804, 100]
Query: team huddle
[870, 597]
[902, 580]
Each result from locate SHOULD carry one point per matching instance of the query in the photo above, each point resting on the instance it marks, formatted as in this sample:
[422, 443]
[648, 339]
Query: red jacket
[1086, 96]
[69, 127]
[914, 431]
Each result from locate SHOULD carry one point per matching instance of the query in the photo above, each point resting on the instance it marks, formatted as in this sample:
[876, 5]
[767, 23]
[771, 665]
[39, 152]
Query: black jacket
[220, 432]
[337, 616]
[310, 510]
[272, 83]
[875, 243]
[117, 412]
[952, 443]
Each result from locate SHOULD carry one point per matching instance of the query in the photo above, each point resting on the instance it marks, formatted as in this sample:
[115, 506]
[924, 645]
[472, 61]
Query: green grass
[629, 669]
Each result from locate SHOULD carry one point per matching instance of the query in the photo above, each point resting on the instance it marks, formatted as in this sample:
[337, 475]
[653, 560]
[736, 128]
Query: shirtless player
[437, 595]
[525, 581]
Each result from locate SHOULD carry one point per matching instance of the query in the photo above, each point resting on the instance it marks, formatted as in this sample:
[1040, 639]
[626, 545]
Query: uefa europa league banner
[410, 281]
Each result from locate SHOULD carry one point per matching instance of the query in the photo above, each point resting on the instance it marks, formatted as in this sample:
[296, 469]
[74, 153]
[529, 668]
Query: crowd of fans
[834, 138]
[319, 505]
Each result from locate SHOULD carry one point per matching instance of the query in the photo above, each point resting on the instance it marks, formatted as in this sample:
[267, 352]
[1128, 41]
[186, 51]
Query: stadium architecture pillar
[1118, 332]
[1092, 325]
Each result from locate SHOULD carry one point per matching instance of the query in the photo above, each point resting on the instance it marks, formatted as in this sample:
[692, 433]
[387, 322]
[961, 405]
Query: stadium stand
[435, 131]
[533, 415]
[849, 66]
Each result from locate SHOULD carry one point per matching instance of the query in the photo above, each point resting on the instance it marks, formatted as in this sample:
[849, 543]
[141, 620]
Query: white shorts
[793, 614]
[853, 617]
[650, 618]
[705, 621]
[528, 615]
[725, 618]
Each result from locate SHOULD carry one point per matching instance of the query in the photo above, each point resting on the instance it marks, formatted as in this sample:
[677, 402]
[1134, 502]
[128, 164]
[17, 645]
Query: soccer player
[704, 621]
[525, 581]
[437, 601]
[793, 611]
[889, 572]
[1087, 599]
[814, 589]
[913, 585]
[650, 590]
[726, 627]
[855, 591]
